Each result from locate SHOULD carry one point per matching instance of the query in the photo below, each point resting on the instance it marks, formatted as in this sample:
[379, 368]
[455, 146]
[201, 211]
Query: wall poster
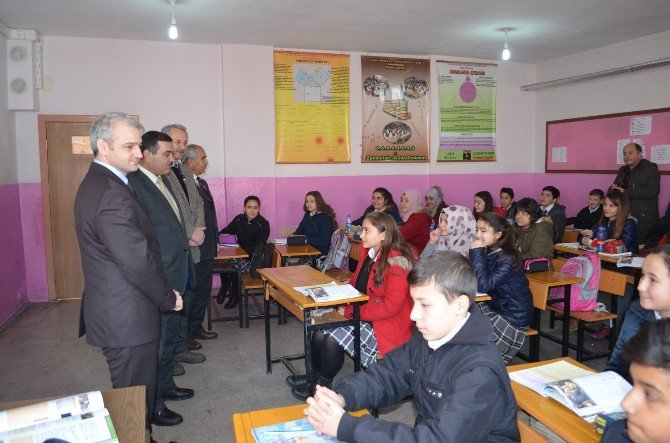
[311, 107]
[395, 109]
[467, 100]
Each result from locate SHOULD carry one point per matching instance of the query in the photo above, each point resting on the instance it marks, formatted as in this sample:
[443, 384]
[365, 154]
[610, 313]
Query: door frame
[42, 121]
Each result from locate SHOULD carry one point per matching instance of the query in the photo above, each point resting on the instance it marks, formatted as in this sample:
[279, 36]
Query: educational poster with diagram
[311, 107]
[467, 100]
[395, 110]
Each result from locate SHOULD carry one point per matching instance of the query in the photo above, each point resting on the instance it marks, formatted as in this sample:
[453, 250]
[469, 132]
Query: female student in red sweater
[385, 321]
[483, 203]
[415, 228]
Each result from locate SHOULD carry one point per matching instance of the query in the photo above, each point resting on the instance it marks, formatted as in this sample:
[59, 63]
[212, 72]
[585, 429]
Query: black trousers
[134, 366]
[201, 296]
[187, 297]
[170, 325]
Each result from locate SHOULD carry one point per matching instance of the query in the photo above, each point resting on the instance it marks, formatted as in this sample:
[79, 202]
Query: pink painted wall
[12, 271]
[32, 220]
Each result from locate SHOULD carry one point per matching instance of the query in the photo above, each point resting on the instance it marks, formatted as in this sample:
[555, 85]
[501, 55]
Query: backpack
[338, 252]
[582, 296]
[261, 257]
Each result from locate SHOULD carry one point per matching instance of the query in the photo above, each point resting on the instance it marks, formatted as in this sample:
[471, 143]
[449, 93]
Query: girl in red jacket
[385, 322]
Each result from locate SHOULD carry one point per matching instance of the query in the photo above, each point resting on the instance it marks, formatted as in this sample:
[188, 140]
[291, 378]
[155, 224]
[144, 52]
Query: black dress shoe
[193, 345]
[205, 335]
[300, 393]
[166, 417]
[179, 394]
[296, 381]
[232, 301]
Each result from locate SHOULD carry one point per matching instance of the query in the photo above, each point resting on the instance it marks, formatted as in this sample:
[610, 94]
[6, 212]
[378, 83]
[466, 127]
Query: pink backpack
[583, 297]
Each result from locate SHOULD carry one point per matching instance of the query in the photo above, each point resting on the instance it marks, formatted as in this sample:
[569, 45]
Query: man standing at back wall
[196, 159]
[191, 205]
[125, 287]
[640, 181]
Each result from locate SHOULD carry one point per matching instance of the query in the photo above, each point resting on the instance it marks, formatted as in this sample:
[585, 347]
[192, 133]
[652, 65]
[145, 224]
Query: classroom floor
[42, 357]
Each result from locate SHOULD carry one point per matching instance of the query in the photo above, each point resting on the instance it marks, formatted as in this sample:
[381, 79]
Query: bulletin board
[595, 144]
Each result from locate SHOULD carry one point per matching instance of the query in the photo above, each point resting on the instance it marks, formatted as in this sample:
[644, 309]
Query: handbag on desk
[296, 240]
[536, 265]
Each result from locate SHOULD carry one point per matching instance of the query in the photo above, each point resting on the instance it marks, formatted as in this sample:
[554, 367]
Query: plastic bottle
[348, 224]
[601, 236]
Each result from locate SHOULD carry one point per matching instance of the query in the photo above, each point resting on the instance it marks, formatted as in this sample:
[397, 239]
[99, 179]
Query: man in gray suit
[156, 197]
[125, 287]
[192, 207]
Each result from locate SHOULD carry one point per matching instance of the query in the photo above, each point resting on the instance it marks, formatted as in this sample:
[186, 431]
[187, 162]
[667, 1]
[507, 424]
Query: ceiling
[542, 29]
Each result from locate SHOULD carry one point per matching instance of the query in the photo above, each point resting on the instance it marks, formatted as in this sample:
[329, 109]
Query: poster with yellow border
[311, 107]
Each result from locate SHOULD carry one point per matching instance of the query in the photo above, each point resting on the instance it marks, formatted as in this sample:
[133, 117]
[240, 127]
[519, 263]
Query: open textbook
[79, 418]
[584, 392]
[328, 291]
[297, 431]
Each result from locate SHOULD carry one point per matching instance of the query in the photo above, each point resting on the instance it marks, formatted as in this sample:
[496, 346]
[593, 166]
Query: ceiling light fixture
[505, 52]
[173, 32]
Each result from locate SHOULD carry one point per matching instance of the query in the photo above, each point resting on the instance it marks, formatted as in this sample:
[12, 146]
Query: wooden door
[68, 155]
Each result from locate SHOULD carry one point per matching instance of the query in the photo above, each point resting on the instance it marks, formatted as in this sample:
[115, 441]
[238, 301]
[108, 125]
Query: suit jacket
[208, 249]
[557, 215]
[125, 287]
[169, 230]
[192, 207]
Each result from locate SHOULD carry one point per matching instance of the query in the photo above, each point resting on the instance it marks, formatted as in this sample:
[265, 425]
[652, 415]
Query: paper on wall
[640, 125]
[622, 143]
[559, 154]
[660, 154]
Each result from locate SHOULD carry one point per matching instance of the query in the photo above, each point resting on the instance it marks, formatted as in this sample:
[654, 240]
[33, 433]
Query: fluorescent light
[173, 32]
[506, 54]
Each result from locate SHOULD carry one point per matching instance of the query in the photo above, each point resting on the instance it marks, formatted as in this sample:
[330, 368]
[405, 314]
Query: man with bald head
[640, 181]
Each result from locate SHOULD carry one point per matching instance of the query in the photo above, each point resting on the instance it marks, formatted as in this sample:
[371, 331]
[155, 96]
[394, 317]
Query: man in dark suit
[155, 196]
[195, 160]
[125, 287]
[554, 211]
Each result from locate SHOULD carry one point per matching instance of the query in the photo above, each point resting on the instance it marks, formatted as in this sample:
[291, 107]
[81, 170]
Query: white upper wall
[161, 82]
[8, 172]
[224, 94]
[626, 92]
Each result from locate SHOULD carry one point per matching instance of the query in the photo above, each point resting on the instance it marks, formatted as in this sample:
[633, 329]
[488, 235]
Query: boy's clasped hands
[325, 411]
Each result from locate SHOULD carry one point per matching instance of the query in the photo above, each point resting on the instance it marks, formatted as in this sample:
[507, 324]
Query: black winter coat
[249, 233]
[461, 391]
[499, 277]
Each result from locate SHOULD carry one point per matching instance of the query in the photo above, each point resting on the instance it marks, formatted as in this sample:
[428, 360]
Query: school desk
[222, 264]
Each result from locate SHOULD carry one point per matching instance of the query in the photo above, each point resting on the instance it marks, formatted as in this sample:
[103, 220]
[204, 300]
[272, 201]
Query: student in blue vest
[318, 223]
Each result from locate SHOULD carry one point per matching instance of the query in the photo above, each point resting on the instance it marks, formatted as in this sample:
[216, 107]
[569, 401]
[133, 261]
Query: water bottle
[348, 224]
[601, 236]
[432, 225]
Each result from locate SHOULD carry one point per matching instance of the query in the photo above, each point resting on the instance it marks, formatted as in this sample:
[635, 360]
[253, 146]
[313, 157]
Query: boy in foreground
[451, 367]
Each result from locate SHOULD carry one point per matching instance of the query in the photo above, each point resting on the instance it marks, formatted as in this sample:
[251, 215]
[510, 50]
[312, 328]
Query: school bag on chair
[583, 297]
[338, 252]
[261, 257]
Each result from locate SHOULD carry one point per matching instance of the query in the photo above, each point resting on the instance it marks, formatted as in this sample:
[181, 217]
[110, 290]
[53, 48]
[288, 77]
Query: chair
[570, 237]
[251, 284]
[611, 282]
[539, 294]
[528, 434]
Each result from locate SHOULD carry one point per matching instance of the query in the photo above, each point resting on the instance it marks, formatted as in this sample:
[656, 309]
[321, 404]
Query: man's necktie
[168, 197]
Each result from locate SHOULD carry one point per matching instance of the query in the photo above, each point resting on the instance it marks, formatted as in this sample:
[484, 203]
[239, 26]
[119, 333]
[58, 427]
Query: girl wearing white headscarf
[416, 223]
[456, 231]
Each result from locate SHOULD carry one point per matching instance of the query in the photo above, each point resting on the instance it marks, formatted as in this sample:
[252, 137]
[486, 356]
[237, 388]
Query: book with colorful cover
[296, 431]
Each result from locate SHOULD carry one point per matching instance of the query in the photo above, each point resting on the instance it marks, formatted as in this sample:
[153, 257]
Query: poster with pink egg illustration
[467, 100]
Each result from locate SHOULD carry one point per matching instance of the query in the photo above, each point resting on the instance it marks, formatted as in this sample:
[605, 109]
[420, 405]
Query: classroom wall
[12, 271]
[648, 89]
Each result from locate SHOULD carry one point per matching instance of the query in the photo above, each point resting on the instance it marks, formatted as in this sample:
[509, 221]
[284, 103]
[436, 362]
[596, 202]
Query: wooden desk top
[126, 406]
[553, 278]
[244, 422]
[482, 297]
[561, 420]
[286, 278]
[297, 251]
[228, 253]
